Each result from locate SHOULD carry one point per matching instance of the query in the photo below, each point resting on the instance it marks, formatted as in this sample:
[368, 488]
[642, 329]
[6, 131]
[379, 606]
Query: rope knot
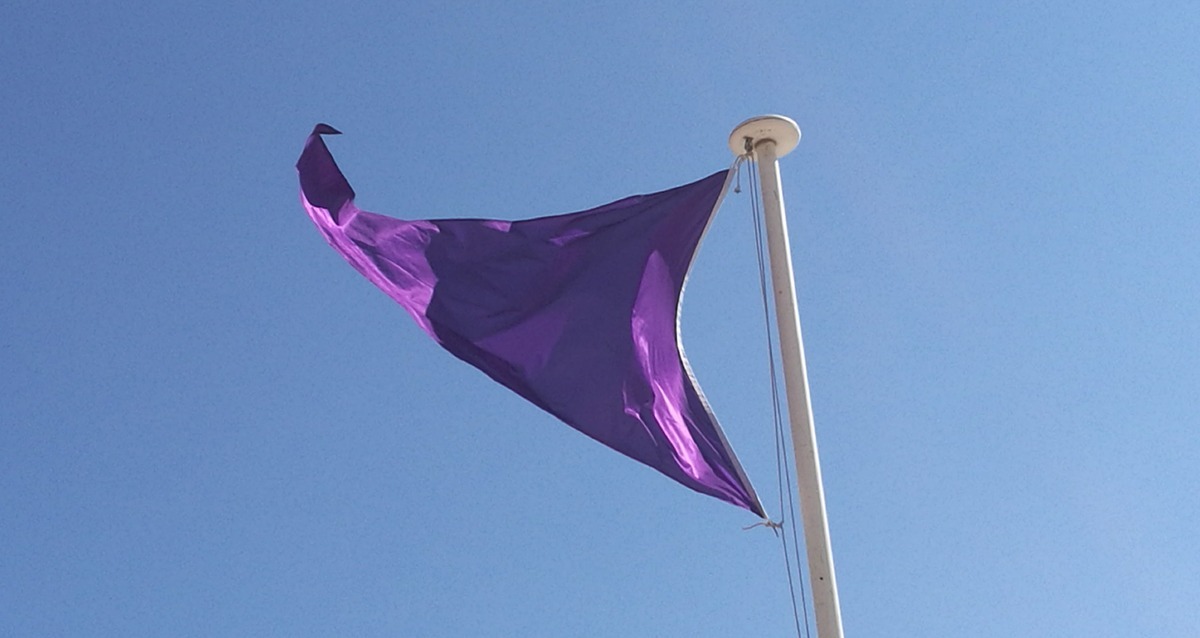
[769, 524]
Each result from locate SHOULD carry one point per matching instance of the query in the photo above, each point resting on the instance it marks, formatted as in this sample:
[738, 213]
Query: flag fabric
[578, 313]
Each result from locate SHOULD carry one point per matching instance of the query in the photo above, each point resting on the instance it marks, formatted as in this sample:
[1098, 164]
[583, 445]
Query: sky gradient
[210, 425]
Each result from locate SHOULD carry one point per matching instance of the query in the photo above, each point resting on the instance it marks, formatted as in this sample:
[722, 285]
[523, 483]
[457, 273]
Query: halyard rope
[783, 475]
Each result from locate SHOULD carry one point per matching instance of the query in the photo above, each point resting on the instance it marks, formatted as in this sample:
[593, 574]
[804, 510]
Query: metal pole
[770, 137]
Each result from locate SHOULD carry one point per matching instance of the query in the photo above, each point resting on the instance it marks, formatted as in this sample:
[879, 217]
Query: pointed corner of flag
[324, 129]
[321, 181]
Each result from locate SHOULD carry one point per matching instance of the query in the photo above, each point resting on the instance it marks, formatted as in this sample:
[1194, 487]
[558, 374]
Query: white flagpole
[770, 137]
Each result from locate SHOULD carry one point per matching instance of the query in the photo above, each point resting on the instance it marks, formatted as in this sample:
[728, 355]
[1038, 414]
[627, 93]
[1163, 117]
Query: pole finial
[782, 130]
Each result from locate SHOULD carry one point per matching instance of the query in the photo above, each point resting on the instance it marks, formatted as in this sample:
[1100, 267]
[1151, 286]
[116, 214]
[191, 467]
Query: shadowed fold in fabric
[577, 313]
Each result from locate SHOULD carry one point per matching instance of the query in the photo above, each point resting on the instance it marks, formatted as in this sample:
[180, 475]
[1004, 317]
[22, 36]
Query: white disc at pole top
[783, 130]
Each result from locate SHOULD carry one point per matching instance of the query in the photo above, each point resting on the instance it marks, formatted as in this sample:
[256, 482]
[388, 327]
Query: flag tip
[325, 129]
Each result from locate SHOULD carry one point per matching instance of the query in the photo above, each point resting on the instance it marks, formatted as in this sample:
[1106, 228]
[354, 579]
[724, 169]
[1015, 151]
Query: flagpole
[769, 137]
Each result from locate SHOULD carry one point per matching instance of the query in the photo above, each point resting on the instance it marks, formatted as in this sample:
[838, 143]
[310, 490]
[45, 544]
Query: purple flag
[577, 313]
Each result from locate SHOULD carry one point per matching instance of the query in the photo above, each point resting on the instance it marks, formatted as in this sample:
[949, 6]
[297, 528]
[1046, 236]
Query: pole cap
[783, 130]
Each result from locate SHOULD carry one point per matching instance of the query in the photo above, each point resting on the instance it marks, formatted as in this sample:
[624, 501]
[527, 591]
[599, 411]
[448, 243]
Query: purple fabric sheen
[577, 313]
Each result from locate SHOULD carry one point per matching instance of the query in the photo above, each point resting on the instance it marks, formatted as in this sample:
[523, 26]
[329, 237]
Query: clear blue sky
[211, 426]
